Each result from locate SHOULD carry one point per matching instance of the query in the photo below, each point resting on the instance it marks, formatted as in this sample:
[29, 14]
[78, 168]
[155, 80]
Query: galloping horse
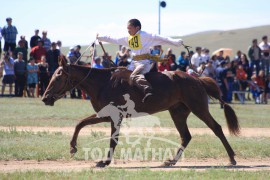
[175, 91]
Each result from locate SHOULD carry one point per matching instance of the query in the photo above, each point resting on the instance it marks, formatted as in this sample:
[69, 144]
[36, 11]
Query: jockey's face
[132, 30]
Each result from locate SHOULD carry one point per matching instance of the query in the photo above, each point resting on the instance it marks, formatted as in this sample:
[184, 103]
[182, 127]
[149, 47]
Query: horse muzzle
[48, 100]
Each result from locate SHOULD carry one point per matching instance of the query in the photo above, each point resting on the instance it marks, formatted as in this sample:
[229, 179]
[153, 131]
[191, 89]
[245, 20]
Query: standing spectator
[205, 55]
[47, 41]
[241, 76]
[222, 80]
[20, 48]
[267, 88]
[254, 54]
[59, 46]
[0, 43]
[24, 41]
[209, 70]
[265, 47]
[215, 62]
[9, 33]
[220, 56]
[52, 58]
[196, 59]
[230, 79]
[32, 76]
[34, 39]
[8, 73]
[183, 61]
[38, 51]
[43, 75]
[77, 53]
[20, 74]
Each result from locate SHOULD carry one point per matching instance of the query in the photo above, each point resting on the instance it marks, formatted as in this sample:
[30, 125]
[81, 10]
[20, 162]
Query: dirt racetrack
[251, 164]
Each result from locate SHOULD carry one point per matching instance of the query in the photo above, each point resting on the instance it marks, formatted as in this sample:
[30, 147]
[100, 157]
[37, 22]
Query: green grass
[27, 145]
[140, 174]
[67, 112]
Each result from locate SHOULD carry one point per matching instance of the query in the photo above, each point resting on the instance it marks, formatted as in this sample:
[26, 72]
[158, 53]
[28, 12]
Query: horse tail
[213, 91]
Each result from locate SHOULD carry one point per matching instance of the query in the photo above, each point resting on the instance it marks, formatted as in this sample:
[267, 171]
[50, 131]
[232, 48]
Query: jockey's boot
[140, 81]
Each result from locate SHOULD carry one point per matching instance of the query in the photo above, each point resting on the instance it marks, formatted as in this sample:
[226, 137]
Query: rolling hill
[238, 39]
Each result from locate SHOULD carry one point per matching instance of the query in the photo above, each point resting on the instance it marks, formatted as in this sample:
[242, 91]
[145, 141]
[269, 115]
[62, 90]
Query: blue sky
[78, 21]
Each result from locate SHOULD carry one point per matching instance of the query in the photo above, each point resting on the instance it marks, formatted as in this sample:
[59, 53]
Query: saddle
[120, 75]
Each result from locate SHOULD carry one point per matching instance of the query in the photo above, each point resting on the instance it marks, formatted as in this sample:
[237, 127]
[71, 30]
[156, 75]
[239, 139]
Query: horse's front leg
[115, 129]
[93, 119]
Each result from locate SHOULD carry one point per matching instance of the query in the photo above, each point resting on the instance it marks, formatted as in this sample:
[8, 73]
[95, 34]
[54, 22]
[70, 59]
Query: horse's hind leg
[206, 117]
[87, 121]
[179, 114]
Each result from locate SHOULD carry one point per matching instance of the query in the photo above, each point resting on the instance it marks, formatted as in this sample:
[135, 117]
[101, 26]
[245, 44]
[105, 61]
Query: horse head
[59, 83]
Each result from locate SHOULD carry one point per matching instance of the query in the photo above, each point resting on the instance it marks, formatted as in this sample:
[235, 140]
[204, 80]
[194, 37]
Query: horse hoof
[101, 164]
[232, 163]
[169, 163]
[73, 150]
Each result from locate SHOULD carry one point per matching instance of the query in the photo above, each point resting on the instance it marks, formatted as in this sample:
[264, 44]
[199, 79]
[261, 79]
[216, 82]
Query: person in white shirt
[140, 42]
[265, 48]
[197, 58]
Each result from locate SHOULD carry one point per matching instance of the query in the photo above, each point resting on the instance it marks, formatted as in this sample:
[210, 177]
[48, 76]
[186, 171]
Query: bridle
[69, 82]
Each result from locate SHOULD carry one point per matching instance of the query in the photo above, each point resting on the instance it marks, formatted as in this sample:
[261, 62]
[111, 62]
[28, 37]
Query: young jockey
[140, 42]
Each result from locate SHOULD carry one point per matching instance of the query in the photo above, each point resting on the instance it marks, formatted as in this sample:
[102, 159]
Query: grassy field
[28, 145]
[17, 145]
[67, 112]
[140, 174]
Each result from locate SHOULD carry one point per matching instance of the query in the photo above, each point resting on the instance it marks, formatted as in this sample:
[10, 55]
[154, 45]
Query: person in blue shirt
[98, 63]
[9, 33]
[183, 61]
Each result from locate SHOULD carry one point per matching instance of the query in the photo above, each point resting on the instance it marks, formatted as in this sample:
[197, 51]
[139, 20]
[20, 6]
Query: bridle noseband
[69, 82]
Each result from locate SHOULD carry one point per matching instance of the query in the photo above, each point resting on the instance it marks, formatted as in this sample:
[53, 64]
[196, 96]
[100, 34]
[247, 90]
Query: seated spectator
[171, 59]
[32, 76]
[183, 61]
[98, 63]
[157, 50]
[163, 66]
[8, 73]
[201, 68]
[123, 61]
[107, 61]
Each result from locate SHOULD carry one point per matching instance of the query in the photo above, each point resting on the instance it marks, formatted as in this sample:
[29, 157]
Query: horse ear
[62, 61]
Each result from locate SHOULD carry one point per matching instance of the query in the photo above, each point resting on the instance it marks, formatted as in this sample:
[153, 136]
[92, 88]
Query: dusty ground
[186, 164]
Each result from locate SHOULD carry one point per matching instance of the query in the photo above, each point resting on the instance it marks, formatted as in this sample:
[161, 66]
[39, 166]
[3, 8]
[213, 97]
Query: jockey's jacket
[141, 42]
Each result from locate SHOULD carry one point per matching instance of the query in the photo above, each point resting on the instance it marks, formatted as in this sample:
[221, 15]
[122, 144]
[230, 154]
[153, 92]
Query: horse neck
[91, 80]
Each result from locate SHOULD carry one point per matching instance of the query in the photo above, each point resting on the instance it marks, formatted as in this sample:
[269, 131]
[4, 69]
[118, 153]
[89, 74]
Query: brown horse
[175, 91]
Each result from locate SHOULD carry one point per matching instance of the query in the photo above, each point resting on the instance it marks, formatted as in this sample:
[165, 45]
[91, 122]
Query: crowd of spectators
[243, 73]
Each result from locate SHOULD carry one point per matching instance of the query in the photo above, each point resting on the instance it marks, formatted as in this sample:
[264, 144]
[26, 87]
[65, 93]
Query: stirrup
[146, 96]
